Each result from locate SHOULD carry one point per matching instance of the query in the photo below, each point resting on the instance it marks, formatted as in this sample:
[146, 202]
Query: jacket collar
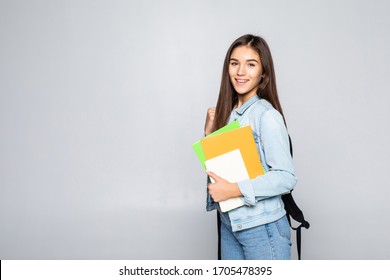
[241, 110]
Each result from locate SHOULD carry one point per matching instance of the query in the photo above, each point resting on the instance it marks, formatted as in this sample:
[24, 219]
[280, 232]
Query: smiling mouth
[241, 81]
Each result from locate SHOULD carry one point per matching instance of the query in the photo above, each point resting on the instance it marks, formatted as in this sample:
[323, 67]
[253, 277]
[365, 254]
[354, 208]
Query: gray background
[100, 102]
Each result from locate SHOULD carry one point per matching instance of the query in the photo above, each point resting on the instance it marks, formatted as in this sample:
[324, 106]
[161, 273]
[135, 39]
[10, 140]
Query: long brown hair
[227, 98]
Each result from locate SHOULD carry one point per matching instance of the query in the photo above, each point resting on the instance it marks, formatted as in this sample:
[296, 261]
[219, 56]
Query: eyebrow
[248, 60]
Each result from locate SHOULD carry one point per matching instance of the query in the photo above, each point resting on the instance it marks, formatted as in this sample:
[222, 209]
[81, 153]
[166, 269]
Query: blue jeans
[266, 242]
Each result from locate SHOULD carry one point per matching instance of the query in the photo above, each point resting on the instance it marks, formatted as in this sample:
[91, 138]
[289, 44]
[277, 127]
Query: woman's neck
[241, 99]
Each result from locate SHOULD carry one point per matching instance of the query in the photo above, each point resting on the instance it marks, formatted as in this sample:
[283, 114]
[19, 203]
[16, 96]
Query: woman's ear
[263, 82]
[262, 78]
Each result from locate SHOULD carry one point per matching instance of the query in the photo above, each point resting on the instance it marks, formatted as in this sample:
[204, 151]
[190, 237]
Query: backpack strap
[293, 210]
[219, 235]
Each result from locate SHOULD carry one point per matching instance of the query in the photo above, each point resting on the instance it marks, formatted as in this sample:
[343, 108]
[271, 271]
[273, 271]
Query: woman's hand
[221, 189]
[208, 127]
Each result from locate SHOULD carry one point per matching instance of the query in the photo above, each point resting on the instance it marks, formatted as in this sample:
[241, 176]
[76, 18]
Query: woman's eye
[233, 63]
[252, 65]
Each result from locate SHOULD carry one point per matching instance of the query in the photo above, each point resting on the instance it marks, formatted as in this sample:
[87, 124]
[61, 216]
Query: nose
[241, 70]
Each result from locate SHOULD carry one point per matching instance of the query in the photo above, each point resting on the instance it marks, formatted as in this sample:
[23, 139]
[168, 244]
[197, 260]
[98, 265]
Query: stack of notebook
[230, 153]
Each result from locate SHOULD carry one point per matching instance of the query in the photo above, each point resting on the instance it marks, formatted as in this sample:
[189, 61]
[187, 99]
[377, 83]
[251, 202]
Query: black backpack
[292, 210]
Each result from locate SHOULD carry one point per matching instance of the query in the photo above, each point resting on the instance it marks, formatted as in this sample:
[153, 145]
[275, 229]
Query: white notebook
[231, 167]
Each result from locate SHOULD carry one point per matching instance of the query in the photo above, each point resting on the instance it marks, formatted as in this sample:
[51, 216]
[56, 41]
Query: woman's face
[245, 72]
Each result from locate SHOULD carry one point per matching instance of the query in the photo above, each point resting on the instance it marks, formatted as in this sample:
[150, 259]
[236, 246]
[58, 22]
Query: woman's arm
[280, 177]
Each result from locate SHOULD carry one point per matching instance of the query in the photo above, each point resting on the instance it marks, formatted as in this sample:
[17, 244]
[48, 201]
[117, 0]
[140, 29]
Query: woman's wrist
[235, 190]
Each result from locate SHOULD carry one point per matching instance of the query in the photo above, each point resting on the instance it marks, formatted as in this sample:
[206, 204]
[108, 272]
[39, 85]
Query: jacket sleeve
[280, 177]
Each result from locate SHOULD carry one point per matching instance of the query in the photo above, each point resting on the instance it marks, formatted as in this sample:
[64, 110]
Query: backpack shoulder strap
[294, 212]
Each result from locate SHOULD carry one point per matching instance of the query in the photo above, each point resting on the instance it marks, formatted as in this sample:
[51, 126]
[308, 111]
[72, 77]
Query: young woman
[259, 229]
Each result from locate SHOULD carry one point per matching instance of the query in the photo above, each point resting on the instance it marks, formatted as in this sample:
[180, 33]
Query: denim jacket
[262, 195]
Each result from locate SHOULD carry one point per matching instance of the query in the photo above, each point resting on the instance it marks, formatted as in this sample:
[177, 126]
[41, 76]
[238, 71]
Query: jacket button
[239, 226]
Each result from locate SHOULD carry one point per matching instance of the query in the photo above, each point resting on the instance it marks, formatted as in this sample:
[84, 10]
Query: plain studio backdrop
[100, 102]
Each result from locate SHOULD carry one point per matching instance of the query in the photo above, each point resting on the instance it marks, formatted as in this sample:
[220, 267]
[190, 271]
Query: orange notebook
[233, 156]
